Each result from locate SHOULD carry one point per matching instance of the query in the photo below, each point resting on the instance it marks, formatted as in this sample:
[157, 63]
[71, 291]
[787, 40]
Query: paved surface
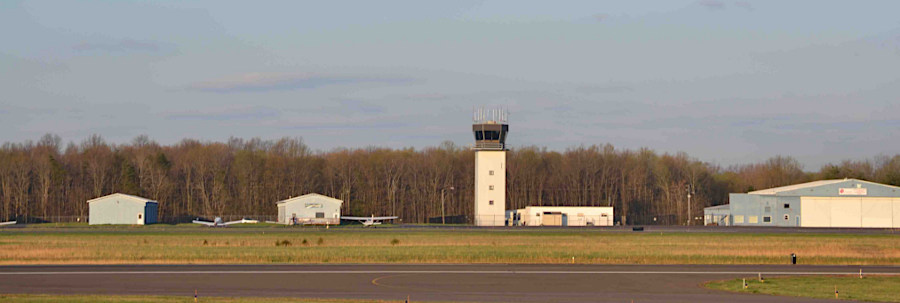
[482, 283]
[162, 228]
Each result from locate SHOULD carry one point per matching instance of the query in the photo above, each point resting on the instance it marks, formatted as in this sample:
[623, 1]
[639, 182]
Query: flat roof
[310, 195]
[719, 207]
[142, 199]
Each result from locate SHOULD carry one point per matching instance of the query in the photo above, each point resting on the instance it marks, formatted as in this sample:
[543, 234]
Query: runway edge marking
[441, 272]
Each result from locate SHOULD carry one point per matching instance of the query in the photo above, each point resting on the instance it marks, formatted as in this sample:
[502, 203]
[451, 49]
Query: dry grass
[162, 299]
[445, 247]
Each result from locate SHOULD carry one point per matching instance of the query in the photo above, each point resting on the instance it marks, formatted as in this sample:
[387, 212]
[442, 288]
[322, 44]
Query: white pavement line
[440, 272]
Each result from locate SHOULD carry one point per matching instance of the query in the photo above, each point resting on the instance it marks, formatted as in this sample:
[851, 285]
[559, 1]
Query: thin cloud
[600, 17]
[604, 89]
[120, 46]
[712, 5]
[267, 82]
[254, 113]
[744, 5]
[361, 106]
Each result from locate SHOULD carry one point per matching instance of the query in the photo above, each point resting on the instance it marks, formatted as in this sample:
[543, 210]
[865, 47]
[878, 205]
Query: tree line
[246, 177]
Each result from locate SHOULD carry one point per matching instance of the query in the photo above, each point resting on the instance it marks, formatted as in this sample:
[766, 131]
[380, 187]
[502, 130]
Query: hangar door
[849, 212]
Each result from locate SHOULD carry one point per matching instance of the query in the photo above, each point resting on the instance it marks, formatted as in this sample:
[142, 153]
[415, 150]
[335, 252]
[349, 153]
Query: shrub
[321, 241]
[395, 241]
[283, 243]
[205, 242]
[305, 243]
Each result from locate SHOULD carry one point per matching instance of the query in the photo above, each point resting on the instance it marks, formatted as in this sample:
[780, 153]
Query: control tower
[490, 130]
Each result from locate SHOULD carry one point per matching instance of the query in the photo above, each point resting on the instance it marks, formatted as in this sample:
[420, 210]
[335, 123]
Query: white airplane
[220, 223]
[369, 221]
[8, 223]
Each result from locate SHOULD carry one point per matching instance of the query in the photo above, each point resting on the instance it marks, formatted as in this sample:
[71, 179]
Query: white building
[122, 209]
[561, 216]
[310, 209]
[490, 168]
[826, 203]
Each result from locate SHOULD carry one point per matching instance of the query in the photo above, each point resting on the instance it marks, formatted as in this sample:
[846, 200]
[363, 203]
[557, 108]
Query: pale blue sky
[726, 81]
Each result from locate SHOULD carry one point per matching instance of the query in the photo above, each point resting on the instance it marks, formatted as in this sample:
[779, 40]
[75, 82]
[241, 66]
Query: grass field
[162, 299]
[871, 288]
[200, 246]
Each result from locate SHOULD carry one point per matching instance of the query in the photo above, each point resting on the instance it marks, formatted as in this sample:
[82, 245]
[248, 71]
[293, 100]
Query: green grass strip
[869, 288]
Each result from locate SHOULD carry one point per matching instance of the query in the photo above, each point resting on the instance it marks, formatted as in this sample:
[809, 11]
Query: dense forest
[246, 177]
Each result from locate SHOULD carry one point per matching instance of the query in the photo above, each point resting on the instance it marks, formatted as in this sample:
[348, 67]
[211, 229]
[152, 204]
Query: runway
[162, 228]
[476, 283]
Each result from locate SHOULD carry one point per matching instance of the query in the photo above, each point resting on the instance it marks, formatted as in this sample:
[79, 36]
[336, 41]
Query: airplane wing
[384, 218]
[241, 221]
[368, 218]
[203, 222]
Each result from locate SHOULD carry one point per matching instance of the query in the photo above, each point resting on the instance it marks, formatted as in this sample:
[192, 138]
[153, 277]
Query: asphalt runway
[477, 283]
[161, 228]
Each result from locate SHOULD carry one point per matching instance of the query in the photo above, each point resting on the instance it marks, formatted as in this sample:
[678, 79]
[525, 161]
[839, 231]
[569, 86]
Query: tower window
[786, 205]
[491, 173]
[491, 187]
[491, 202]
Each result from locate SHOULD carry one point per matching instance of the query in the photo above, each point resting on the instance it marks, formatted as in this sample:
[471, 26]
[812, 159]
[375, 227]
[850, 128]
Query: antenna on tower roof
[483, 115]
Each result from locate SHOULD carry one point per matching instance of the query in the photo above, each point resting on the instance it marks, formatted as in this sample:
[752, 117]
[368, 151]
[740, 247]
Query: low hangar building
[310, 209]
[561, 216]
[827, 203]
[122, 209]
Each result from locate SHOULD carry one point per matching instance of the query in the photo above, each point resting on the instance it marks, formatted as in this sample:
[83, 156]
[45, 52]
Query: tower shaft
[490, 187]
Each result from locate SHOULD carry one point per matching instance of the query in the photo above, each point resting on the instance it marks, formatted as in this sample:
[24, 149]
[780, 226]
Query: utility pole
[690, 190]
[443, 218]
[689, 208]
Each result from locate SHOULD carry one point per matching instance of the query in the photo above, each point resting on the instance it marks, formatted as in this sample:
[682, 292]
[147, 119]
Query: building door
[798, 221]
[140, 219]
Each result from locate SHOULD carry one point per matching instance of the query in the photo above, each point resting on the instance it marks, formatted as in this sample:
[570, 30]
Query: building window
[767, 219]
[320, 215]
[786, 217]
[753, 220]
[768, 209]
[491, 173]
[490, 187]
[491, 202]
[738, 219]
[787, 205]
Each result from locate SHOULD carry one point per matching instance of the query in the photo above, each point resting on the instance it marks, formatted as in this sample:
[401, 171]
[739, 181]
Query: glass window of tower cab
[490, 135]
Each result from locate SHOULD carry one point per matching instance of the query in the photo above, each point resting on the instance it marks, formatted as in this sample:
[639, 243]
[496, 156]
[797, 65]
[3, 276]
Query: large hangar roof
[831, 188]
[772, 191]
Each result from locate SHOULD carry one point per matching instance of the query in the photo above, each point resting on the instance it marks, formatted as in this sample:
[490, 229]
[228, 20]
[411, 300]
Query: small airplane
[218, 222]
[369, 221]
[8, 223]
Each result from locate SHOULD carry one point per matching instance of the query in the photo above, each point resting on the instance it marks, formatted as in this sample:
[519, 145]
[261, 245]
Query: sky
[728, 82]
